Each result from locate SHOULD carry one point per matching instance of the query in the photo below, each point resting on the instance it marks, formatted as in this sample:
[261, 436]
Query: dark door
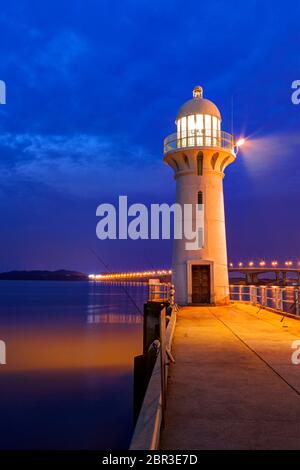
[200, 284]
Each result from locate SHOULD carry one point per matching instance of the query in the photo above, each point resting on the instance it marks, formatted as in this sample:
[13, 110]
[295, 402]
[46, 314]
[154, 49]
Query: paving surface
[233, 385]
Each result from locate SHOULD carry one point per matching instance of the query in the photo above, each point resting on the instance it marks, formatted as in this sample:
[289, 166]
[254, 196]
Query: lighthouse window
[200, 164]
[186, 161]
[179, 133]
[208, 128]
[199, 129]
[191, 131]
[200, 197]
[214, 130]
[183, 131]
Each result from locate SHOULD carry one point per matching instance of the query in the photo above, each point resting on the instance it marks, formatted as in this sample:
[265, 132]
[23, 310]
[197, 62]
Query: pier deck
[233, 385]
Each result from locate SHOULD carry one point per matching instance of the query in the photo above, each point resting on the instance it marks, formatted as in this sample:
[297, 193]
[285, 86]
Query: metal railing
[151, 417]
[196, 138]
[161, 292]
[283, 299]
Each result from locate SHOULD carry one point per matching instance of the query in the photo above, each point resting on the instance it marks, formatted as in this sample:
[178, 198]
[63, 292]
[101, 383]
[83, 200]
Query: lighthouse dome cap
[198, 105]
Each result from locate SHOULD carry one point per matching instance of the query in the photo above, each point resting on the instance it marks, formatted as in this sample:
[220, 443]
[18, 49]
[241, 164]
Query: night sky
[93, 87]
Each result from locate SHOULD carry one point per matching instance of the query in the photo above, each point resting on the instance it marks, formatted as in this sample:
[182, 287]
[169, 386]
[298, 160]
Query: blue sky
[93, 87]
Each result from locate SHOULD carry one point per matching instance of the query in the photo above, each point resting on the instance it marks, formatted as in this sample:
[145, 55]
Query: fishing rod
[122, 286]
[268, 284]
[284, 314]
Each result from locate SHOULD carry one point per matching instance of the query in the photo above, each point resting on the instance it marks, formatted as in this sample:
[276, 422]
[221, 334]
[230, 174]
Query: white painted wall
[214, 252]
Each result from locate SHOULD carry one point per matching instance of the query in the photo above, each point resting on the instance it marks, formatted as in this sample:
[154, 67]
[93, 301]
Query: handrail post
[251, 294]
[280, 299]
[172, 295]
[264, 295]
[276, 297]
[163, 359]
[296, 297]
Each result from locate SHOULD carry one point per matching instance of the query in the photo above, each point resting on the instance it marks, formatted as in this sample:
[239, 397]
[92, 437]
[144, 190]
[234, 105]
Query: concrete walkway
[233, 385]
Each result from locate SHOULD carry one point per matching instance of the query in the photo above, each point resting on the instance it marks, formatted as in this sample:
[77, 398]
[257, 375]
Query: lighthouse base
[201, 282]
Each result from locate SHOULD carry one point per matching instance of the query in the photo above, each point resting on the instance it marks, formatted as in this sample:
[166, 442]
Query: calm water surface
[68, 382]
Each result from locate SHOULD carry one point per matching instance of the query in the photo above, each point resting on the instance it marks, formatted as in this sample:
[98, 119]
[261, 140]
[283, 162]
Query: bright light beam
[240, 142]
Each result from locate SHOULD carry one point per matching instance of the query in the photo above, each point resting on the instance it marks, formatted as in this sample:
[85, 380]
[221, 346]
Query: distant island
[36, 275]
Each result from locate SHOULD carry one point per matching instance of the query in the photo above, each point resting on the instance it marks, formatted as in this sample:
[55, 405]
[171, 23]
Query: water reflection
[115, 318]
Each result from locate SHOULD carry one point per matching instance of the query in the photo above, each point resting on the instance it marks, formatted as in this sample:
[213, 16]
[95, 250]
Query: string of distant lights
[128, 275]
[262, 264]
[168, 272]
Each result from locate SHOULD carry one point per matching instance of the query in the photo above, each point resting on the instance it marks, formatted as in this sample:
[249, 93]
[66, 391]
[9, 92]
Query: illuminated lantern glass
[198, 130]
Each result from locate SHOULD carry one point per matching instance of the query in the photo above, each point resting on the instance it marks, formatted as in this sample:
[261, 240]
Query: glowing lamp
[240, 142]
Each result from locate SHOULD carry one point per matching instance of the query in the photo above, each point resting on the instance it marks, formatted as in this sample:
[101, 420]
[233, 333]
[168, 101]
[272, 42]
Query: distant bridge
[250, 274]
[254, 275]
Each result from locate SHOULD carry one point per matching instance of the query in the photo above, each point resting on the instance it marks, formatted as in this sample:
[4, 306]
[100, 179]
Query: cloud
[82, 165]
[62, 51]
[38, 146]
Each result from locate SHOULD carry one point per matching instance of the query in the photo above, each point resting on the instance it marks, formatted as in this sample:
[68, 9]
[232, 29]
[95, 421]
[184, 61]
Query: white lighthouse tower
[198, 153]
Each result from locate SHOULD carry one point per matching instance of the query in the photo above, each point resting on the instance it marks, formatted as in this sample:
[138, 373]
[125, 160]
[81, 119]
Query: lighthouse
[198, 153]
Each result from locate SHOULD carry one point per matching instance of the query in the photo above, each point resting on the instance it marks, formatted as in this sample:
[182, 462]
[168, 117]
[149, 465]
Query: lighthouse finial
[198, 92]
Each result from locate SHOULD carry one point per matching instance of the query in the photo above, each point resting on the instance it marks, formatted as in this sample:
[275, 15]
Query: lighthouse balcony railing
[196, 138]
